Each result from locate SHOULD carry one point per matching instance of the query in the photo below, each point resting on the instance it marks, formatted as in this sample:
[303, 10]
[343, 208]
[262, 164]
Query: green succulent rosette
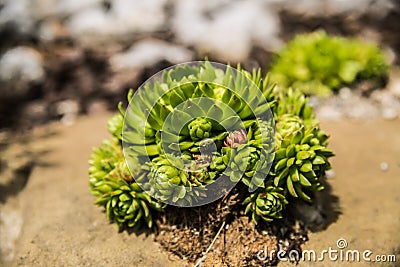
[169, 182]
[301, 158]
[200, 128]
[193, 114]
[111, 181]
[253, 156]
[318, 63]
[194, 131]
[266, 203]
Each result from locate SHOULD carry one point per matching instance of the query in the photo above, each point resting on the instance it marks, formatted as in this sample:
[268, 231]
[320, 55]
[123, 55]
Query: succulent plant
[301, 158]
[127, 204]
[111, 181]
[171, 181]
[236, 138]
[253, 157]
[318, 63]
[266, 203]
[189, 135]
[200, 128]
[203, 113]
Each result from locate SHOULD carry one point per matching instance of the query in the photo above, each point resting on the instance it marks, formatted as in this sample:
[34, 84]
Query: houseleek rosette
[266, 203]
[301, 157]
[110, 180]
[192, 132]
[182, 123]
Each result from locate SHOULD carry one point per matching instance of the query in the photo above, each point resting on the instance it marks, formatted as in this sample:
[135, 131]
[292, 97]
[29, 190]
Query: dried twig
[200, 262]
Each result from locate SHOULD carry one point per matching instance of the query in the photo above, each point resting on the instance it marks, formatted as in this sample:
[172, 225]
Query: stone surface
[334, 7]
[395, 88]
[350, 103]
[120, 20]
[62, 227]
[329, 112]
[17, 16]
[42, 9]
[20, 66]
[68, 110]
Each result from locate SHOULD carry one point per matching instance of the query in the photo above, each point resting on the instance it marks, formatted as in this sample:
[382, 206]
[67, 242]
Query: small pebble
[67, 108]
[345, 93]
[329, 113]
[384, 166]
[330, 174]
[389, 113]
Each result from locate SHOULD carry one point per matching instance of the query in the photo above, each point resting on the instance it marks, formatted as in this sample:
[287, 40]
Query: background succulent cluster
[245, 130]
[318, 63]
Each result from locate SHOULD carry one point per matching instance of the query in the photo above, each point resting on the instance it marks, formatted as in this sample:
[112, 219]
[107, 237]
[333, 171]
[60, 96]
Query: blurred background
[62, 58]
[72, 61]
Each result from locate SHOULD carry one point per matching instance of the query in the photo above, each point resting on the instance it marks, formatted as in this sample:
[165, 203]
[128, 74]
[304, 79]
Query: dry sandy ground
[51, 221]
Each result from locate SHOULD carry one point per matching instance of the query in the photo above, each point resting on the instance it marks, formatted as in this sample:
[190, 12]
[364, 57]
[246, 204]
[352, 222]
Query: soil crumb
[219, 234]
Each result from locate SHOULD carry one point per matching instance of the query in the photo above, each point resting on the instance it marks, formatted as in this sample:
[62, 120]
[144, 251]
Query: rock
[121, 79]
[34, 113]
[139, 16]
[97, 107]
[394, 86]
[122, 19]
[90, 25]
[352, 105]
[329, 113]
[330, 174]
[22, 64]
[17, 16]
[384, 166]
[10, 229]
[390, 105]
[335, 7]
[51, 30]
[226, 29]
[43, 9]
[68, 110]
[390, 54]
[362, 109]
[304, 7]
[389, 113]
[345, 93]
[16, 162]
[314, 101]
[383, 97]
[19, 67]
[148, 52]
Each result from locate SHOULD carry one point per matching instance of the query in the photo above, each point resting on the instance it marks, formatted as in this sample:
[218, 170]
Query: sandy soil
[61, 226]
[47, 217]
